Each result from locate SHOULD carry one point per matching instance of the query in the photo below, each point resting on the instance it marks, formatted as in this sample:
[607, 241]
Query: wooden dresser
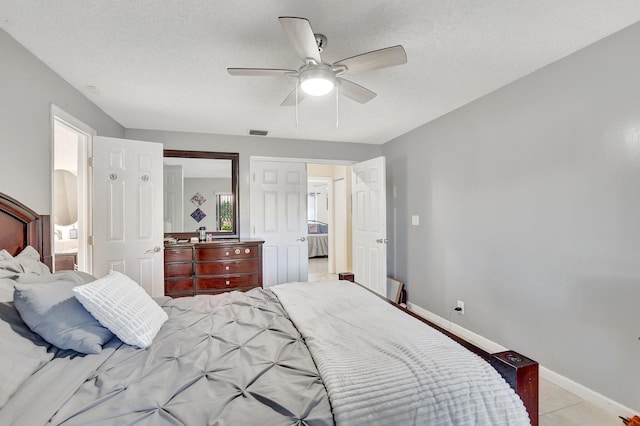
[212, 267]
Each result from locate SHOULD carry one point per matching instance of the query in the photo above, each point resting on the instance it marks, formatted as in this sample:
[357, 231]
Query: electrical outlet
[461, 306]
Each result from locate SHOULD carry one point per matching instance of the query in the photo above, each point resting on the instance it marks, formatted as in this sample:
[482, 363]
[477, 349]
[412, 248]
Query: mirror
[65, 189]
[200, 189]
[394, 289]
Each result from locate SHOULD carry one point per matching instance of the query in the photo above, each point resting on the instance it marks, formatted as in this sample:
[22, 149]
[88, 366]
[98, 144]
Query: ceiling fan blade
[383, 58]
[258, 72]
[301, 36]
[355, 91]
[291, 99]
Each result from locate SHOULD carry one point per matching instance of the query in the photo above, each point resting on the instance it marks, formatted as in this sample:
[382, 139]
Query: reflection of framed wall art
[198, 215]
[73, 234]
[394, 289]
[198, 199]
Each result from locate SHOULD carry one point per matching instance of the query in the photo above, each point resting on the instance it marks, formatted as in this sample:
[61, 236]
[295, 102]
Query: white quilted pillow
[122, 306]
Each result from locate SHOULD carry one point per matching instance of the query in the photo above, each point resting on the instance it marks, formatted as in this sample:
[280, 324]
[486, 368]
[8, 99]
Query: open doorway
[329, 220]
[70, 193]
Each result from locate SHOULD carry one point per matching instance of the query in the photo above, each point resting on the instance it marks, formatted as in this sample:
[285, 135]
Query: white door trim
[330, 218]
[303, 160]
[85, 225]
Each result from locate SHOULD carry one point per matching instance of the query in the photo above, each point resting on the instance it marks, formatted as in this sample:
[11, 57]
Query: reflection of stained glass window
[225, 211]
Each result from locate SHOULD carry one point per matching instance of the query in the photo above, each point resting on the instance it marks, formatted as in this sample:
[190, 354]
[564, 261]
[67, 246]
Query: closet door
[279, 217]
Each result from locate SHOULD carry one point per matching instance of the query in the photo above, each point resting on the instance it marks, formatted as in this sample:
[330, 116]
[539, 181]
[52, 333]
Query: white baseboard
[577, 389]
[482, 342]
[587, 394]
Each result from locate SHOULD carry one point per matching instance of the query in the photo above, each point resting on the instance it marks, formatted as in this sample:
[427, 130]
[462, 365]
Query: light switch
[415, 220]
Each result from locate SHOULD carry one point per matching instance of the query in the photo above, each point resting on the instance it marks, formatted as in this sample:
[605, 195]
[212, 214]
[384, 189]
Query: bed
[318, 239]
[264, 357]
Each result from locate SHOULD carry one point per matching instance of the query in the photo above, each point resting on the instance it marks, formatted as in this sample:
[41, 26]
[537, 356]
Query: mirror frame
[234, 157]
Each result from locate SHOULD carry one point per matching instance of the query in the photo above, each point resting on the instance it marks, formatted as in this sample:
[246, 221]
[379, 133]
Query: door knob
[156, 249]
[382, 240]
[301, 239]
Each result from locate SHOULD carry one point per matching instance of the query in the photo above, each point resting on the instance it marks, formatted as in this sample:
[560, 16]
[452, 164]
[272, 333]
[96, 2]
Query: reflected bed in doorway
[299, 353]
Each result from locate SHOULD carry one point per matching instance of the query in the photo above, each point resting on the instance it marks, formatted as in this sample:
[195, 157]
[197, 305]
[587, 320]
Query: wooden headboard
[20, 227]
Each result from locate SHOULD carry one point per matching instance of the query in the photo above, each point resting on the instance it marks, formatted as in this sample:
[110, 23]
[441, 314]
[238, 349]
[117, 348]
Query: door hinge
[254, 177]
[90, 162]
[90, 240]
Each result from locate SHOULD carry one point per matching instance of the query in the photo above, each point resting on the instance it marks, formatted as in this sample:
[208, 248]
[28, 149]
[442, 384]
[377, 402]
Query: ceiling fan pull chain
[337, 107]
[297, 104]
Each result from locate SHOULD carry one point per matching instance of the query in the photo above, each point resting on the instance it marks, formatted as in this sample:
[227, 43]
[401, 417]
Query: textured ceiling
[161, 64]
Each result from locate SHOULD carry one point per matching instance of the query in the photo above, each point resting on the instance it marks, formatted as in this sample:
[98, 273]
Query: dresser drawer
[218, 268]
[178, 269]
[227, 282]
[223, 253]
[178, 285]
[178, 254]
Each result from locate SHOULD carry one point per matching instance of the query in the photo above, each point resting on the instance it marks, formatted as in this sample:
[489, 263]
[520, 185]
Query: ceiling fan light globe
[317, 86]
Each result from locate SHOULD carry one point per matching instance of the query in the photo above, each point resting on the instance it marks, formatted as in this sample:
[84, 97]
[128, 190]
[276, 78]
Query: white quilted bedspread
[383, 367]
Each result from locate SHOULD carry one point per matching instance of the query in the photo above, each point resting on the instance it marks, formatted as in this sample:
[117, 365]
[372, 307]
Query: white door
[369, 224]
[279, 216]
[127, 211]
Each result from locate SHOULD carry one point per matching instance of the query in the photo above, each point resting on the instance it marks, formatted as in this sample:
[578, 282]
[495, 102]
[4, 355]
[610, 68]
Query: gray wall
[529, 204]
[27, 89]
[248, 146]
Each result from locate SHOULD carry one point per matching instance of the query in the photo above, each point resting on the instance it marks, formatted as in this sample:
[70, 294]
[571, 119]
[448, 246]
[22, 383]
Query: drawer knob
[227, 282]
[226, 268]
[226, 253]
[247, 251]
[237, 251]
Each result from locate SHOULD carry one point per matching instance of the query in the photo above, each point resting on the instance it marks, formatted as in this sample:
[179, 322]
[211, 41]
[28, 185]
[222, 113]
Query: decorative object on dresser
[212, 267]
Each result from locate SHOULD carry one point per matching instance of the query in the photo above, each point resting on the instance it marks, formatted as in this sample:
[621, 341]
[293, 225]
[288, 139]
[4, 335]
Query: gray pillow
[52, 311]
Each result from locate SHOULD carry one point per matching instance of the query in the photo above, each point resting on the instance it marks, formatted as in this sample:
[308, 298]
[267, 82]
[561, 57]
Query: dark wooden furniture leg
[522, 375]
[346, 276]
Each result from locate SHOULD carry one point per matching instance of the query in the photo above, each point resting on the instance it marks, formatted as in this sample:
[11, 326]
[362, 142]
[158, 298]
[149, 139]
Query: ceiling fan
[318, 78]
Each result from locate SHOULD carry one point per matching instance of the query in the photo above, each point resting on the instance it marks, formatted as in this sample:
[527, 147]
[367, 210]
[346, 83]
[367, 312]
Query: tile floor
[319, 270]
[558, 407]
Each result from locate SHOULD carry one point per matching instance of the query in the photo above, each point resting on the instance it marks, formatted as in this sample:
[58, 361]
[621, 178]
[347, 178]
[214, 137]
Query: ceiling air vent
[258, 132]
